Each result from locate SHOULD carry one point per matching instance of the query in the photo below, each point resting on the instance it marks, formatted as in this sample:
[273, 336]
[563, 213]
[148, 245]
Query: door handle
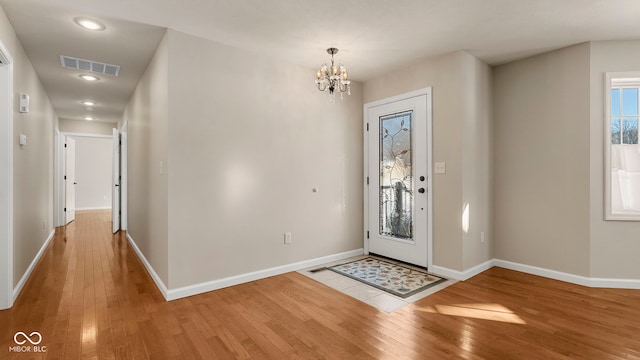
[117, 184]
[421, 190]
[75, 183]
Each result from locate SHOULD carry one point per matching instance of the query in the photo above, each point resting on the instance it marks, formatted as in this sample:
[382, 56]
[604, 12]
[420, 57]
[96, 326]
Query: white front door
[397, 169]
[70, 180]
[115, 196]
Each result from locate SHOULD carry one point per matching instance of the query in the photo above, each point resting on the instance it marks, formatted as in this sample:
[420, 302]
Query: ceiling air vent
[3, 58]
[88, 65]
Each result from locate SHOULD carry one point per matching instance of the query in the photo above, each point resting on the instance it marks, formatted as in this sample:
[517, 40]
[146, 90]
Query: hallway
[90, 297]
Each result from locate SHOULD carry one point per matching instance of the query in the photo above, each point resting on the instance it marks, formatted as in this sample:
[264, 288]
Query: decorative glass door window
[396, 175]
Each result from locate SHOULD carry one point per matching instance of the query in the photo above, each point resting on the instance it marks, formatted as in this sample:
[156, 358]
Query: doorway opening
[94, 181]
[397, 169]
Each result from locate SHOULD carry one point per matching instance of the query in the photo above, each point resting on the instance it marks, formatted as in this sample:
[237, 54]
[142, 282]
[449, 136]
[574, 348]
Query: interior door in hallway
[397, 173]
[70, 179]
[115, 196]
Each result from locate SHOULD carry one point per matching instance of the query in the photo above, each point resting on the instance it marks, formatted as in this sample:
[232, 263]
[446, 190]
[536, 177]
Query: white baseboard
[571, 278]
[534, 270]
[94, 208]
[615, 283]
[551, 274]
[462, 275]
[256, 275]
[161, 285]
[195, 289]
[200, 288]
[34, 262]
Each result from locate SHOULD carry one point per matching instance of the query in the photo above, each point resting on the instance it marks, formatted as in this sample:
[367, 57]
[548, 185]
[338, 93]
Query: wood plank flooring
[91, 298]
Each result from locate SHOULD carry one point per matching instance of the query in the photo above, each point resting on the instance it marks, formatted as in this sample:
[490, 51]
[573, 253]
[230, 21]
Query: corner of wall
[541, 160]
[146, 116]
[477, 169]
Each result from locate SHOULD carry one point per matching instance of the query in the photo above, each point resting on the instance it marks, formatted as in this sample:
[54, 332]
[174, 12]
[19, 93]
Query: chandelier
[334, 78]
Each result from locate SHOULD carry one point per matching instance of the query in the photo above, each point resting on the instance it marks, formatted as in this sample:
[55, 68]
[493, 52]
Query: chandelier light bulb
[334, 78]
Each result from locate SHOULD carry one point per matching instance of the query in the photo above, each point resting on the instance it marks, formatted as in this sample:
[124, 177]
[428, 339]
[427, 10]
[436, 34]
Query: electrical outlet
[287, 238]
[482, 236]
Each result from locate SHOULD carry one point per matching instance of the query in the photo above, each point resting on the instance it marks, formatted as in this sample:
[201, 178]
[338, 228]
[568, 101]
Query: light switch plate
[23, 139]
[440, 167]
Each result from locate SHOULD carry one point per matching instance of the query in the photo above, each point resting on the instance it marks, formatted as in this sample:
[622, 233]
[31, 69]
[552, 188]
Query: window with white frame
[622, 160]
[624, 114]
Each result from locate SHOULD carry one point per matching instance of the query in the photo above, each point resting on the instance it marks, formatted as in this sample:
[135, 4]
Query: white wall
[6, 178]
[86, 127]
[147, 115]
[541, 180]
[477, 162]
[33, 163]
[250, 136]
[93, 173]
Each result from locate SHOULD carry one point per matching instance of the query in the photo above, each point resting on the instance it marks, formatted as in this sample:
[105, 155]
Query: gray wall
[241, 154]
[615, 245]
[147, 116]
[33, 163]
[461, 138]
[541, 140]
[477, 162]
[250, 137]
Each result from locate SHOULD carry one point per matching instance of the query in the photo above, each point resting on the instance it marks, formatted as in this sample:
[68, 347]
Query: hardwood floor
[90, 297]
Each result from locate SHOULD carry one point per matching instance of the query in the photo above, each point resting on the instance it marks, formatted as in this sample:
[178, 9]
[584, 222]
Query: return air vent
[88, 65]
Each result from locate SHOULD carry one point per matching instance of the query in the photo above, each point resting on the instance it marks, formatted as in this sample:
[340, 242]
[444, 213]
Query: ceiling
[374, 36]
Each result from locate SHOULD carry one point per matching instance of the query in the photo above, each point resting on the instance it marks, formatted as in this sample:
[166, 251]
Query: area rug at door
[396, 279]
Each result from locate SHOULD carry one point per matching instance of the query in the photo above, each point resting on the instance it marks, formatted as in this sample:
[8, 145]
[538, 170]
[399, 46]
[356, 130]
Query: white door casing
[398, 214]
[124, 189]
[70, 180]
[59, 181]
[115, 196]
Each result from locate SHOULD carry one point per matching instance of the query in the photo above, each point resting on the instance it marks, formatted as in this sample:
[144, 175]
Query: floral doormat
[395, 279]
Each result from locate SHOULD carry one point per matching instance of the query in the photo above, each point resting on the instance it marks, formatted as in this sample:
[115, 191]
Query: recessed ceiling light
[89, 77]
[89, 24]
[88, 118]
[88, 103]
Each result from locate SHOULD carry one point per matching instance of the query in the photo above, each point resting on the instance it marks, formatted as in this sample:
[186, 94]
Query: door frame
[67, 179]
[58, 206]
[421, 92]
[6, 180]
[124, 134]
[116, 179]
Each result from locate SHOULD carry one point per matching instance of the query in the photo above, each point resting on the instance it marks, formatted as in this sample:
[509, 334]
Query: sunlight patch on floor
[493, 312]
